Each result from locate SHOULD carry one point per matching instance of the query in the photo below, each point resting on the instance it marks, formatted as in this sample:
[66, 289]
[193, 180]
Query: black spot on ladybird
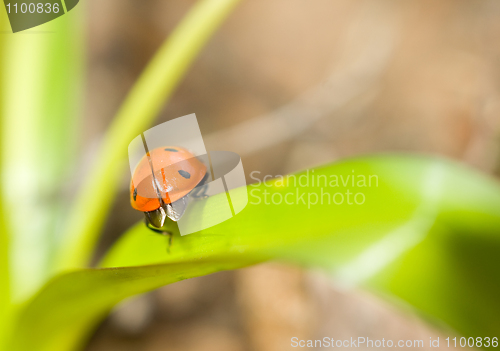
[185, 174]
[135, 194]
[170, 149]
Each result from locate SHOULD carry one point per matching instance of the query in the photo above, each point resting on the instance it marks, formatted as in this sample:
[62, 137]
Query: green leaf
[5, 298]
[141, 106]
[81, 298]
[41, 82]
[427, 234]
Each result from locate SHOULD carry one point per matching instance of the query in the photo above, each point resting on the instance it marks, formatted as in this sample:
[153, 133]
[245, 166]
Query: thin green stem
[139, 110]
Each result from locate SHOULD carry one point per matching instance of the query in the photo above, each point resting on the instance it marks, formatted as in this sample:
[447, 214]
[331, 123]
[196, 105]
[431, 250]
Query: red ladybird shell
[176, 172]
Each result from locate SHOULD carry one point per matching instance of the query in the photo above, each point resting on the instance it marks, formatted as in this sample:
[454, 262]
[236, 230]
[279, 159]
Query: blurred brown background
[329, 79]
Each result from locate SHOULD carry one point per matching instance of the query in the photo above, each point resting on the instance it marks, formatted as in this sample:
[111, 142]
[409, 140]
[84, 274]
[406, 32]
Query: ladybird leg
[170, 237]
[162, 232]
[201, 192]
[204, 188]
[170, 240]
[201, 189]
[195, 192]
[204, 179]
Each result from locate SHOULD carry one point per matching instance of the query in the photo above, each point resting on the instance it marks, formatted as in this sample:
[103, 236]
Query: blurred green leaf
[81, 298]
[427, 233]
[41, 90]
[140, 108]
[5, 298]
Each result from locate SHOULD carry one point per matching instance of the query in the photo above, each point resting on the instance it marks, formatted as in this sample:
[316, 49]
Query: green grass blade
[136, 114]
[41, 79]
[5, 298]
[428, 234]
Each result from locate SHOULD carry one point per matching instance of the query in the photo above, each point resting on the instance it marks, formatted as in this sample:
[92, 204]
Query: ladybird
[161, 182]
